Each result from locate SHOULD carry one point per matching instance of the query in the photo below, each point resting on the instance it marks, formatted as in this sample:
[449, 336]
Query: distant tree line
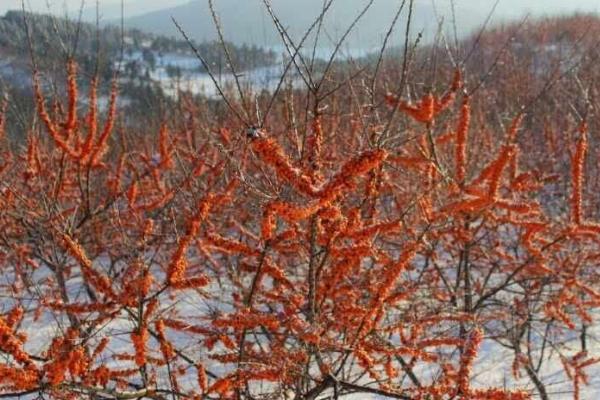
[55, 38]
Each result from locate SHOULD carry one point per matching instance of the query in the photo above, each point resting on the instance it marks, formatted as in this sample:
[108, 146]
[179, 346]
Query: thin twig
[210, 74]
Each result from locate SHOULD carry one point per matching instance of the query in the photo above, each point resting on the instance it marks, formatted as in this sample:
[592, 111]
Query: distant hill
[247, 22]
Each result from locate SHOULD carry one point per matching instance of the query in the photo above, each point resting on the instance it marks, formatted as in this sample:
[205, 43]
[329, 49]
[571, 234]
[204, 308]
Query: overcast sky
[110, 8]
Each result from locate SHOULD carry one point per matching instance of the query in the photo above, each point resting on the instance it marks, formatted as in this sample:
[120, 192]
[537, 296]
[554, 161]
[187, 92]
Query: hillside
[56, 37]
[146, 57]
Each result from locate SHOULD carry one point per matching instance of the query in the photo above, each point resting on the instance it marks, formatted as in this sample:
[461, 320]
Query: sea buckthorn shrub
[345, 254]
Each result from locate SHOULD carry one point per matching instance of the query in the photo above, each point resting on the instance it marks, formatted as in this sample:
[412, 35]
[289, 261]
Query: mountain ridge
[248, 22]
